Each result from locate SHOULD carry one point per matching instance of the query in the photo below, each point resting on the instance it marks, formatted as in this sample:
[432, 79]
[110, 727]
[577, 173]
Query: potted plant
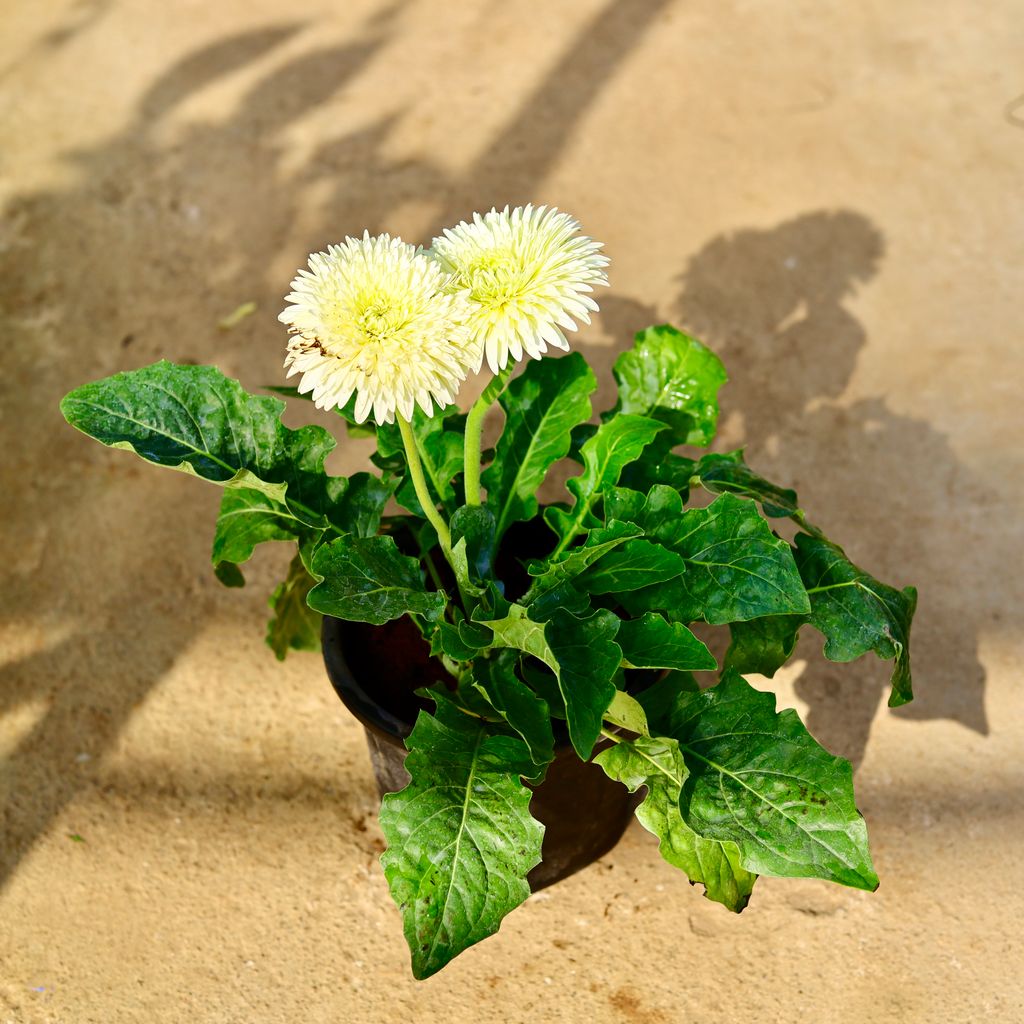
[526, 641]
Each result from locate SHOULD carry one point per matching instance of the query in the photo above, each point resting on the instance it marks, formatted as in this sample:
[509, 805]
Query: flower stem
[474, 444]
[474, 430]
[419, 482]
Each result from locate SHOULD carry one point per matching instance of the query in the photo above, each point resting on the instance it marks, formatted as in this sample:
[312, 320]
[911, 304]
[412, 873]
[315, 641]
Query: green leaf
[582, 654]
[309, 544]
[672, 377]
[441, 453]
[294, 623]
[659, 700]
[553, 587]
[249, 517]
[856, 613]
[460, 837]
[194, 419]
[627, 713]
[728, 473]
[656, 762]
[449, 640]
[758, 779]
[361, 505]
[660, 465]
[542, 406]
[736, 569]
[229, 574]
[652, 642]
[564, 597]
[637, 564]
[764, 645]
[523, 711]
[587, 658]
[654, 511]
[472, 528]
[367, 579]
[678, 680]
[474, 635]
[625, 505]
[544, 683]
[616, 443]
[519, 632]
[577, 438]
[462, 640]
[470, 701]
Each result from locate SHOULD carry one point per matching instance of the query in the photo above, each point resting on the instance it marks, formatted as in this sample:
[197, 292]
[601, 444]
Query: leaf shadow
[773, 304]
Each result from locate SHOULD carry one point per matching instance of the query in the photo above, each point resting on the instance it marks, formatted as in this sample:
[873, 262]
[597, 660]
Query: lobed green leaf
[194, 419]
[250, 516]
[361, 505]
[586, 659]
[522, 710]
[856, 613]
[367, 579]
[729, 474]
[660, 465]
[633, 566]
[736, 569]
[553, 588]
[460, 836]
[456, 642]
[758, 779]
[673, 378]
[542, 406]
[612, 446]
[763, 646]
[652, 642]
[657, 764]
[627, 712]
[473, 543]
[294, 624]
[583, 656]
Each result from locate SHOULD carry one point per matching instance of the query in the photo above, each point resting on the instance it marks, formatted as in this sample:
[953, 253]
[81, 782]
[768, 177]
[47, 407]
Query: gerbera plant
[385, 333]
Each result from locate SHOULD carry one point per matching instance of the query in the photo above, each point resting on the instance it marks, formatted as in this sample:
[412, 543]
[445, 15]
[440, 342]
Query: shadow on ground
[772, 303]
[106, 276]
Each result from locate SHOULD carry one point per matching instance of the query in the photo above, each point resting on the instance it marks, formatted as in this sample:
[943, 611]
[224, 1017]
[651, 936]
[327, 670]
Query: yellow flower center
[492, 277]
[377, 321]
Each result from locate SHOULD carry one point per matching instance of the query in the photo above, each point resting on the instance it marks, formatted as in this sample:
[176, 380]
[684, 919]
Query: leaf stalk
[419, 483]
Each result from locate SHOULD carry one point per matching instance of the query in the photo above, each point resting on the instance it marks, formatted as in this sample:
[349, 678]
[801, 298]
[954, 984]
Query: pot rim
[366, 709]
[364, 706]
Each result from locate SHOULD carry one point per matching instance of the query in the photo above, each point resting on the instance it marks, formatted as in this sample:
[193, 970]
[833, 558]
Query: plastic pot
[375, 669]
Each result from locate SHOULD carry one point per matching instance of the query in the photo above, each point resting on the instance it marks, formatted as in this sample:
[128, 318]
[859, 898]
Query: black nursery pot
[375, 669]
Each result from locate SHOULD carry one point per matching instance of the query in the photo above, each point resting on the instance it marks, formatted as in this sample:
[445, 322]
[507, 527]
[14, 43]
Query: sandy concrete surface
[828, 192]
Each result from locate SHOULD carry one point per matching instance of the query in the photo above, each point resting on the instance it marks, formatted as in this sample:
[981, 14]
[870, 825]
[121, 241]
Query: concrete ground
[829, 193]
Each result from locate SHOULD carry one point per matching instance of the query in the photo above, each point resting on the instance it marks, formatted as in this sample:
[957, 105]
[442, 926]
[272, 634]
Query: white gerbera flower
[528, 274]
[376, 318]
